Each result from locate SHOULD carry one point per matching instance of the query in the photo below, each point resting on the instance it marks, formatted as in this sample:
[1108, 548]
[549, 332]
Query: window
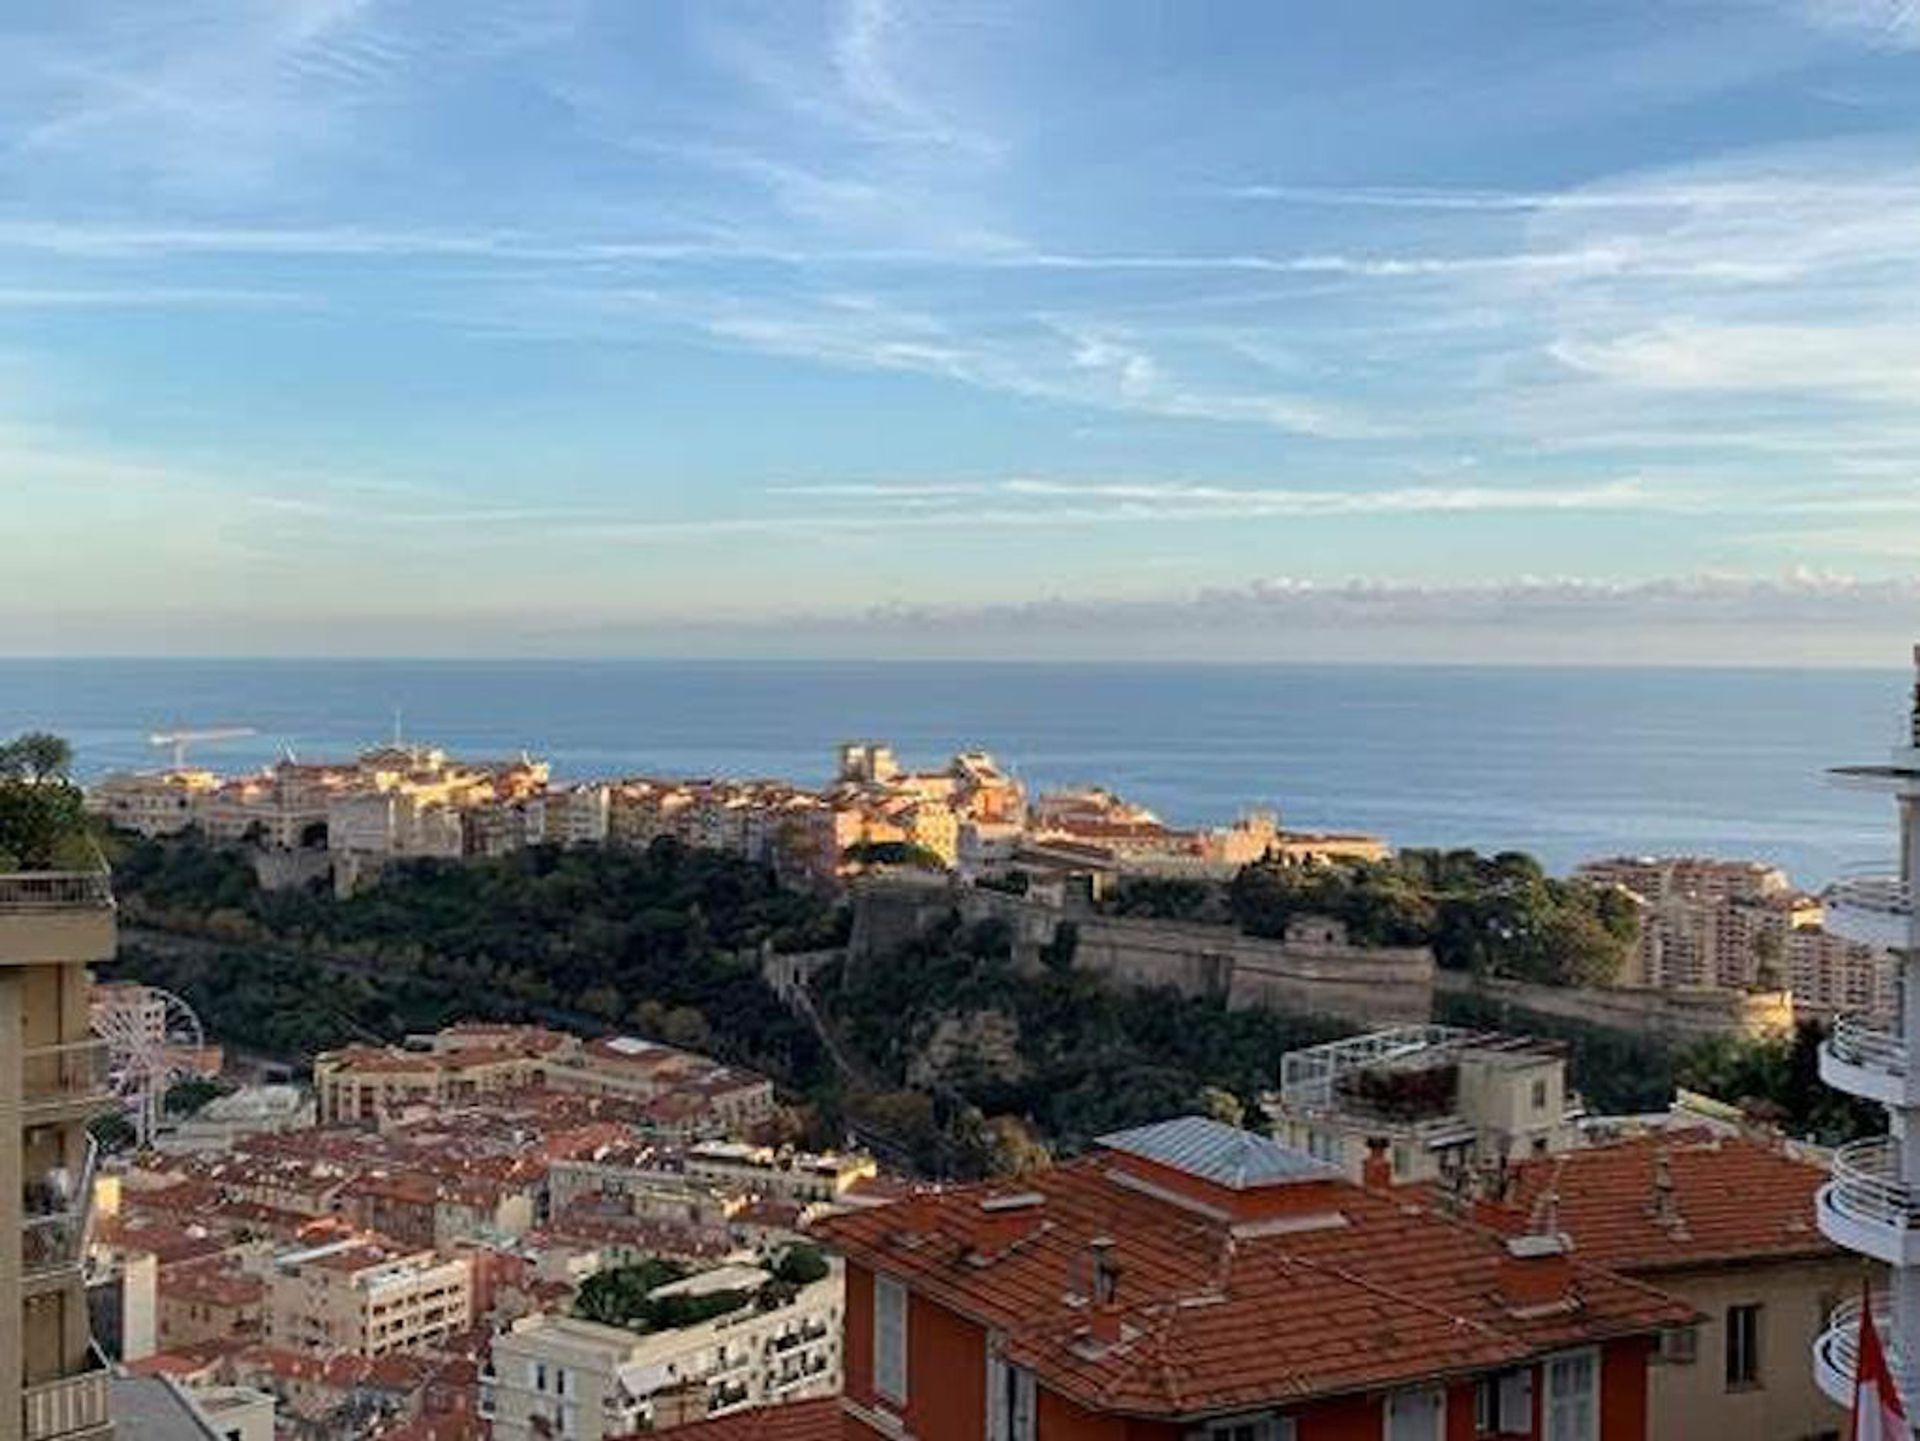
[1246, 1428]
[1416, 1415]
[890, 1339]
[1010, 1402]
[1743, 1347]
[539, 1375]
[1680, 1346]
[1539, 1095]
[1573, 1397]
[1503, 1404]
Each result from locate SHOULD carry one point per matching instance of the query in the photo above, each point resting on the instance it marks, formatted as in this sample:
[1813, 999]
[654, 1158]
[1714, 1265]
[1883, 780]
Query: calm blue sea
[1564, 763]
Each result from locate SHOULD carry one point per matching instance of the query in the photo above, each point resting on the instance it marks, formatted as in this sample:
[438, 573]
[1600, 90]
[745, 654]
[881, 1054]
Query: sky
[1537, 331]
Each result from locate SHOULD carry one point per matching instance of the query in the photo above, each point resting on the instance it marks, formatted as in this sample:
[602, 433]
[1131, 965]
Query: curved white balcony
[1836, 1354]
[1873, 908]
[1869, 1063]
[1867, 1208]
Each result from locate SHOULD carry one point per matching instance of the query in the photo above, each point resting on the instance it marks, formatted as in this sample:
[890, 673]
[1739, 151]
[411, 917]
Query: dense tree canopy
[43, 825]
[664, 941]
[1500, 915]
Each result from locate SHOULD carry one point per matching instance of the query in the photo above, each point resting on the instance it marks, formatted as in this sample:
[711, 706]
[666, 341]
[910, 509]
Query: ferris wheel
[153, 1039]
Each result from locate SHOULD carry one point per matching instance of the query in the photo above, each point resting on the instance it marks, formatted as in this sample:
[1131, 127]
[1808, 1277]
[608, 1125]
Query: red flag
[1878, 1414]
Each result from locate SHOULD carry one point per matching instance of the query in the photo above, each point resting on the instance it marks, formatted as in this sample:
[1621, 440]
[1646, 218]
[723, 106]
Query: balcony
[53, 1227]
[1874, 907]
[54, 917]
[1869, 1063]
[1836, 1354]
[1867, 1207]
[67, 1409]
[69, 1081]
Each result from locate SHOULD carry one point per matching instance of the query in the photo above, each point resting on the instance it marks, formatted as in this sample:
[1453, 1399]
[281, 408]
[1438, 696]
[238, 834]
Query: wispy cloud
[1894, 24]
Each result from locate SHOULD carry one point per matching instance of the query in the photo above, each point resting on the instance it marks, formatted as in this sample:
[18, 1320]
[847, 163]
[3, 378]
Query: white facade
[1872, 1204]
[563, 1376]
[1431, 1097]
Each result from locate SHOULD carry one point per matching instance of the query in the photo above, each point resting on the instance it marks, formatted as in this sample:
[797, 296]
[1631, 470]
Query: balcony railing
[1859, 1044]
[1867, 1186]
[56, 1076]
[56, 890]
[1837, 1352]
[53, 1230]
[70, 1406]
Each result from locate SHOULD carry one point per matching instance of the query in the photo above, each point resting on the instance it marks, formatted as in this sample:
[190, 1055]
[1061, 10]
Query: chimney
[1103, 1325]
[1376, 1172]
[1665, 1210]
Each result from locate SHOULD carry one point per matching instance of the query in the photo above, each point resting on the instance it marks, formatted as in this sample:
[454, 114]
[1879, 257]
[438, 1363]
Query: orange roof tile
[1230, 1299]
[1730, 1199]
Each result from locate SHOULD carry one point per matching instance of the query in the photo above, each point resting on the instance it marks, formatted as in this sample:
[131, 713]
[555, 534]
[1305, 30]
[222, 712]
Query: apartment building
[53, 1081]
[1428, 1100]
[208, 1301]
[564, 1376]
[675, 1180]
[151, 803]
[1190, 1279]
[366, 1297]
[1725, 1224]
[1658, 877]
[684, 1094]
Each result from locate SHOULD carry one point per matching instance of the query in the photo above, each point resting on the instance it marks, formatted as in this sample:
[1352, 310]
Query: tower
[53, 1080]
[1872, 1203]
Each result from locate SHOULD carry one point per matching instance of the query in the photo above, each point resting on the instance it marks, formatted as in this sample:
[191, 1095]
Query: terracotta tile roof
[1730, 1199]
[814, 1420]
[1229, 1299]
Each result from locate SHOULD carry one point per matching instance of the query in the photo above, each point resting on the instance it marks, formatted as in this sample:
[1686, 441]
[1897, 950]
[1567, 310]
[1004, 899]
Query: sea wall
[1314, 970]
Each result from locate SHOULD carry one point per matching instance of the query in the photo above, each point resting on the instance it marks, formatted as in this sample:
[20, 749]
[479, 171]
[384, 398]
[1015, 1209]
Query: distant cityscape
[1706, 924]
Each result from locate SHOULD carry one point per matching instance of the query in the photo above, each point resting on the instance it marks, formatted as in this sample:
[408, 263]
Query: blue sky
[1009, 327]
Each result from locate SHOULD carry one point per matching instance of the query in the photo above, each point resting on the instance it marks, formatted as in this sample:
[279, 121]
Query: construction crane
[180, 740]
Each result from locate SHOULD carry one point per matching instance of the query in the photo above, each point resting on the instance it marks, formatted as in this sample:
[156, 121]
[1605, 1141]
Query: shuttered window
[890, 1339]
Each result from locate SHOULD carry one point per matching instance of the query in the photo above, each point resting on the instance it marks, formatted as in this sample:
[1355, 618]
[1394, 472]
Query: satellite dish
[153, 1039]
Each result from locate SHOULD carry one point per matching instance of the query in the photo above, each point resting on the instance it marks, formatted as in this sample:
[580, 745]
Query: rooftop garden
[629, 1295]
[43, 825]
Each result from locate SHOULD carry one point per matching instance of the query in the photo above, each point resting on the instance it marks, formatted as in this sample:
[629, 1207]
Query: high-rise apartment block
[53, 1080]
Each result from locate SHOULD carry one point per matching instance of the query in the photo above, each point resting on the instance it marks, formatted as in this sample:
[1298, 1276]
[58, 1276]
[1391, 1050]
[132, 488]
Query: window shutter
[890, 1339]
[1516, 1402]
[1023, 1405]
[997, 1399]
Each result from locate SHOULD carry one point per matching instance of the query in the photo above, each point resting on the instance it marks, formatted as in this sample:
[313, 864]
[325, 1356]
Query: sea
[1564, 763]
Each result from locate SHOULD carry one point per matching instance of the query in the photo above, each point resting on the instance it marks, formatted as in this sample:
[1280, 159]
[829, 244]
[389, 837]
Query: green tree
[36, 756]
[43, 824]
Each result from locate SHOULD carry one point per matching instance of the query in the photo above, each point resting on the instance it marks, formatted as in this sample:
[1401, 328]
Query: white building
[563, 1376]
[1433, 1098]
[1872, 1204]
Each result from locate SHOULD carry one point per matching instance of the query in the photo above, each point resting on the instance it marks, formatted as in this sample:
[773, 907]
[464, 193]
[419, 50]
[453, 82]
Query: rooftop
[1223, 1154]
[1673, 1200]
[1228, 1297]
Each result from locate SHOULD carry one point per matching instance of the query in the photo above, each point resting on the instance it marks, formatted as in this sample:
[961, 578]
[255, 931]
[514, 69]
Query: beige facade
[562, 1376]
[365, 1298]
[159, 803]
[1430, 1099]
[52, 926]
[1700, 1386]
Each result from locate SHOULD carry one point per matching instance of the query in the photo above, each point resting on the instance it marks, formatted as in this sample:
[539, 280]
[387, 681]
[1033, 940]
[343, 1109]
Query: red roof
[815, 1420]
[1233, 1296]
[1728, 1198]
